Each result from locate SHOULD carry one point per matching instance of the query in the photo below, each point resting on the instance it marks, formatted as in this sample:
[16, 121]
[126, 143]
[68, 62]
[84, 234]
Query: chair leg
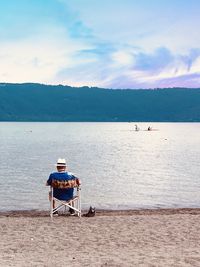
[79, 202]
[51, 204]
[65, 209]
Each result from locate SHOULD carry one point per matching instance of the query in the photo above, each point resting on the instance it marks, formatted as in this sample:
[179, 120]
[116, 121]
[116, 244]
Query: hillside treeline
[38, 102]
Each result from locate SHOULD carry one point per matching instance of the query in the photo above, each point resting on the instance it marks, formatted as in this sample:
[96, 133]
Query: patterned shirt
[62, 194]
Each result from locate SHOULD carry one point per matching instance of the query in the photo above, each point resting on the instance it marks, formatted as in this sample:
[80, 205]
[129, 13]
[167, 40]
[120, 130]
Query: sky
[101, 43]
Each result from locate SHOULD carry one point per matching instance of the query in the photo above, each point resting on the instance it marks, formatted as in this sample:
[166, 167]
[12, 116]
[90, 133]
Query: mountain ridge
[40, 102]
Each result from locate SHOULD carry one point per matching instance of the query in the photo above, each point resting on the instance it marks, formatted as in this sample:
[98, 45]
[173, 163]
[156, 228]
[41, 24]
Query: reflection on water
[120, 168]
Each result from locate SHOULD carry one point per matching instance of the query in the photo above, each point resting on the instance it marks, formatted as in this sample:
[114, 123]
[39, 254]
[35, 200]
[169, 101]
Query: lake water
[119, 167]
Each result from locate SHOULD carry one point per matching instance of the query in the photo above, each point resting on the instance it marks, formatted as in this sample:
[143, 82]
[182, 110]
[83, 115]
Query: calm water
[119, 168]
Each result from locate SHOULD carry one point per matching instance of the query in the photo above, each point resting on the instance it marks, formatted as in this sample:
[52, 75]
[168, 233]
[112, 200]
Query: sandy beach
[165, 237]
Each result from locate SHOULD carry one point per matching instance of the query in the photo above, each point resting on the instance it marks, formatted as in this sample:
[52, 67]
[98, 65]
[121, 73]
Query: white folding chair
[73, 204]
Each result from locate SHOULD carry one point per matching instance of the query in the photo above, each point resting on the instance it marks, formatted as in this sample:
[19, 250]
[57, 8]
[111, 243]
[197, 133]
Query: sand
[168, 237]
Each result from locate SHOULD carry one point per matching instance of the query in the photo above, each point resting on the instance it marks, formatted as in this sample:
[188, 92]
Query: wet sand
[162, 237]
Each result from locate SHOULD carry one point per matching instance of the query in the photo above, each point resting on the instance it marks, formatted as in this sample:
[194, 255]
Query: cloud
[140, 45]
[79, 30]
[116, 44]
[158, 69]
[155, 61]
[189, 59]
[37, 59]
[187, 80]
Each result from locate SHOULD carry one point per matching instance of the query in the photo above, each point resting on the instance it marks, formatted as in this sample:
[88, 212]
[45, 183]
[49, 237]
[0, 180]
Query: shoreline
[106, 212]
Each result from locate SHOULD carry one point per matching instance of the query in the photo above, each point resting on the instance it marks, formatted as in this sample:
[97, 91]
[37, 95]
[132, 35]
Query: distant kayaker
[136, 128]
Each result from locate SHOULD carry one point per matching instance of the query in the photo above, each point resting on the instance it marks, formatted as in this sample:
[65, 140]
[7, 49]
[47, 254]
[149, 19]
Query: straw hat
[61, 162]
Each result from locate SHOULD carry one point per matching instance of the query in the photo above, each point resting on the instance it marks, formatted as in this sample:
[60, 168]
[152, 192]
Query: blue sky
[107, 43]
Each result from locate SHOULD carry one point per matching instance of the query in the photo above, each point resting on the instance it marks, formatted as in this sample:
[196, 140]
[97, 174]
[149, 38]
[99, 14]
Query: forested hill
[37, 102]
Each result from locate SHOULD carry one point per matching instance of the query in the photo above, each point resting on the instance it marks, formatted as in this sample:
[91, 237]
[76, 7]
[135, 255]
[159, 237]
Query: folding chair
[73, 204]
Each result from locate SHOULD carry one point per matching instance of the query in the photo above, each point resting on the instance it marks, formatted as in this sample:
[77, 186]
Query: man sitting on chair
[60, 175]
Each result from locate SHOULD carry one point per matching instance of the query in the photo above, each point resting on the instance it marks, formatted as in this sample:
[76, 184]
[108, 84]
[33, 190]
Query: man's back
[62, 194]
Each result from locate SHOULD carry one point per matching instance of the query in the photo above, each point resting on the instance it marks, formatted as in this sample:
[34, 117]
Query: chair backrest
[64, 184]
